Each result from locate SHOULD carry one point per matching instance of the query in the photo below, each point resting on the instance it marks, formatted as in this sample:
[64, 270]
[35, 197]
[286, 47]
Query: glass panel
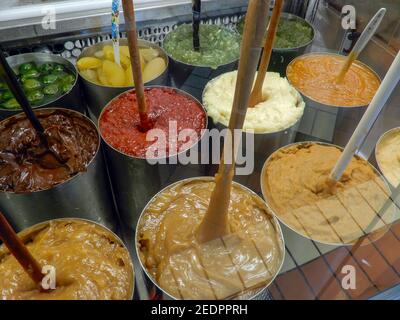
[389, 30]
[339, 243]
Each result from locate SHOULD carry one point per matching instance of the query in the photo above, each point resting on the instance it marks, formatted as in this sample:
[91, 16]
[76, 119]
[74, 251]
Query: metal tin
[135, 180]
[97, 95]
[252, 295]
[86, 195]
[69, 100]
[264, 145]
[347, 118]
[25, 233]
[281, 57]
[387, 133]
[180, 71]
[375, 235]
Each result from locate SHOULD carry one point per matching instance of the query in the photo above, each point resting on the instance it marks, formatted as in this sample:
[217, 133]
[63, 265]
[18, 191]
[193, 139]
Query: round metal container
[249, 295]
[24, 235]
[135, 181]
[97, 95]
[373, 236]
[69, 100]
[180, 71]
[86, 195]
[264, 145]
[377, 147]
[280, 57]
[347, 118]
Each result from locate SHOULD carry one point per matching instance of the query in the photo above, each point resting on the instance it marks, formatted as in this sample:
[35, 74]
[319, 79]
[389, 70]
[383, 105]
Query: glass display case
[312, 269]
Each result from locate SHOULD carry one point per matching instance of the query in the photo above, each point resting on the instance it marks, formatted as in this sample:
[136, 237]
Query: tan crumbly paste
[388, 156]
[90, 264]
[223, 268]
[295, 184]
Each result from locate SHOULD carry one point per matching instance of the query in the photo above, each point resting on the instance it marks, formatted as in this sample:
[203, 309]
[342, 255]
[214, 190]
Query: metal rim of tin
[123, 41]
[199, 65]
[377, 146]
[41, 225]
[44, 57]
[179, 91]
[266, 199]
[293, 125]
[50, 111]
[206, 178]
[290, 16]
[329, 54]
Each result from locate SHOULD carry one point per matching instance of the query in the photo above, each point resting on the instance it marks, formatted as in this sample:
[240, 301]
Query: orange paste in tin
[315, 77]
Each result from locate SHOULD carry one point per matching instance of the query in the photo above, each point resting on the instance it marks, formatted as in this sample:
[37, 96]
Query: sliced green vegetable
[68, 78]
[49, 79]
[46, 67]
[59, 74]
[25, 67]
[32, 84]
[66, 87]
[31, 74]
[35, 96]
[42, 83]
[59, 67]
[51, 89]
[11, 104]
[7, 95]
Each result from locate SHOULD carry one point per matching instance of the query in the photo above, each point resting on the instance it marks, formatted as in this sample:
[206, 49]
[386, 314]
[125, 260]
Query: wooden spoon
[19, 251]
[130, 25]
[215, 221]
[256, 95]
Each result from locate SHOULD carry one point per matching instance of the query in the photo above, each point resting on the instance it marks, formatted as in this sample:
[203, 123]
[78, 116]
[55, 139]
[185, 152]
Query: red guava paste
[120, 123]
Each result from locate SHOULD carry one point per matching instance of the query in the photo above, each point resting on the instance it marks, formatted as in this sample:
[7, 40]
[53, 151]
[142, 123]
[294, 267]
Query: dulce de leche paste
[295, 184]
[246, 259]
[314, 75]
[90, 264]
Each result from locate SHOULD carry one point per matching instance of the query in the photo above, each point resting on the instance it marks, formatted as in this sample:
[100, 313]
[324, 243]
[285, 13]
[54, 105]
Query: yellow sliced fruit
[142, 62]
[125, 61]
[114, 73]
[154, 69]
[149, 53]
[102, 77]
[88, 63]
[129, 77]
[90, 74]
[108, 52]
